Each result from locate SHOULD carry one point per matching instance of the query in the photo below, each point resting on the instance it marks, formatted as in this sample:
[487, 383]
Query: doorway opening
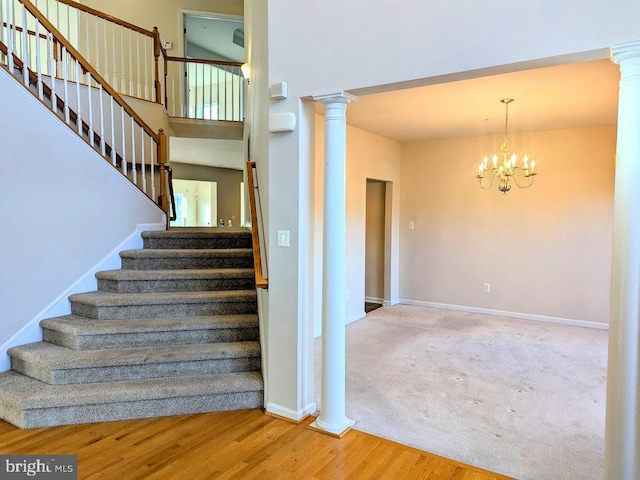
[196, 203]
[375, 244]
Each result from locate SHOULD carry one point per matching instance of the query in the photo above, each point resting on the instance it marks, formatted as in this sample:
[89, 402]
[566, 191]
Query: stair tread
[78, 325]
[185, 252]
[184, 274]
[28, 393]
[102, 298]
[61, 358]
[196, 232]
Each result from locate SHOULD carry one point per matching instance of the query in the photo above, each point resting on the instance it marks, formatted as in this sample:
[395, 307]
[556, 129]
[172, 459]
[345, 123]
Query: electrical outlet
[284, 238]
[412, 225]
[348, 294]
[487, 287]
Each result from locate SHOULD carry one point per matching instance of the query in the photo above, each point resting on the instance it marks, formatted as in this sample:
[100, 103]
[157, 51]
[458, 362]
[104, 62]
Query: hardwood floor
[230, 445]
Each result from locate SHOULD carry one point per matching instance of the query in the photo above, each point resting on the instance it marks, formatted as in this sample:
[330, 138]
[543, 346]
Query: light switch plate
[284, 238]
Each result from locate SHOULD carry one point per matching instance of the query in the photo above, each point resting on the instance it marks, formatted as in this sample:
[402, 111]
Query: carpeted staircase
[175, 331]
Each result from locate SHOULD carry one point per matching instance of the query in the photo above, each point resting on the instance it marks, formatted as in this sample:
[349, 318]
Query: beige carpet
[517, 397]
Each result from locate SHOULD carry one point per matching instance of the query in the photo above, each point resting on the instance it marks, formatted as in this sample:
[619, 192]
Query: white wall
[545, 251]
[64, 208]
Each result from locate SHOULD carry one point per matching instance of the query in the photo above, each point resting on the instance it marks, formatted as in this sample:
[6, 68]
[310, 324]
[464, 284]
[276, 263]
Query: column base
[334, 430]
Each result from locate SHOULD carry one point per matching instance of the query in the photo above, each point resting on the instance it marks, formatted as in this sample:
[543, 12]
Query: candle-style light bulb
[533, 165]
[484, 161]
[495, 161]
[526, 162]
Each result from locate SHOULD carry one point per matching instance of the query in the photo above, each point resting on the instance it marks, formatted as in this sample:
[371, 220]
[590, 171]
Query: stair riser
[149, 339]
[134, 372]
[150, 286]
[160, 311]
[181, 263]
[194, 243]
[48, 417]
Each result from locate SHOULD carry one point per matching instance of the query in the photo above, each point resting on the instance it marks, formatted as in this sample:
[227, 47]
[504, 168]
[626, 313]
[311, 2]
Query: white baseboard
[295, 415]
[500, 313]
[374, 300]
[31, 331]
[390, 303]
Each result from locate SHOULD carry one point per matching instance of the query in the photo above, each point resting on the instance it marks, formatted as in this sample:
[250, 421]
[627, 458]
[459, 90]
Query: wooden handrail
[205, 61]
[107, 17]
[87, 67]
[261, 281]
[163, 201]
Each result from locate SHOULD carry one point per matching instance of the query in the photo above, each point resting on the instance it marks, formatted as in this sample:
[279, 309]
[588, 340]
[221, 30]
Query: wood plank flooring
[230, 445]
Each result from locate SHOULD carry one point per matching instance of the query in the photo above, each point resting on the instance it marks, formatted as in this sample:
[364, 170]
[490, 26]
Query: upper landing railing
[133, 60]
[36, 53]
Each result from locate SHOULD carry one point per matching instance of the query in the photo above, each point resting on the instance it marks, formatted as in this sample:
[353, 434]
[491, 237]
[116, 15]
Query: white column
[622, 436]
[333, 419]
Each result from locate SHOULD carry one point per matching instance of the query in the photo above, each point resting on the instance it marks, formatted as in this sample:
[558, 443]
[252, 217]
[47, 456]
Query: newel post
[156, 54]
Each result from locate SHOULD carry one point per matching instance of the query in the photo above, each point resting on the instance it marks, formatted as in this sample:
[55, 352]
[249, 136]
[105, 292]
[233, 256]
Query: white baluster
[25, 47]
[113, 54]
[86, 36]
[14, 25]
[138, 66]
[102, 143]
[147, 63]
[52, 67]
[153, 169]
[113, 134]
[38, 60]
[97, 45]
[78, 99]
[106, 52]
[210, 93]
[124, 143]
[89, 90]
[133, 152]
[68, 24]
[65, 71]
[218, 93]
[203, 67]
[130, 67]
[123, 85]
[233, 96]
[144, 178]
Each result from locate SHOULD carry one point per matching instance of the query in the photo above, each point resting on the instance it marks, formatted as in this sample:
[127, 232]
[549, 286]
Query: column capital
[338, 97]
[625, 51]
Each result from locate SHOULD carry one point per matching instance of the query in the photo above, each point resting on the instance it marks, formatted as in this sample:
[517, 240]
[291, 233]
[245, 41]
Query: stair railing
[261, 280]
[126, 55]
[41, 58]
[204, 89]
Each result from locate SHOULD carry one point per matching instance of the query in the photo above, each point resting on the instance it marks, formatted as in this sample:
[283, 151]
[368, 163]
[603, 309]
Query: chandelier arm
[480, 179]
[529, 177]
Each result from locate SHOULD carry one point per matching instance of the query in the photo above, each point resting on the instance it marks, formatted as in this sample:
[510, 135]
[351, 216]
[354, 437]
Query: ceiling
[574, 95]
[215, 35]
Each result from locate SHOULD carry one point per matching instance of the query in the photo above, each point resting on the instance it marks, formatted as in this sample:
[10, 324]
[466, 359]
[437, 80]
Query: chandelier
[508, 169]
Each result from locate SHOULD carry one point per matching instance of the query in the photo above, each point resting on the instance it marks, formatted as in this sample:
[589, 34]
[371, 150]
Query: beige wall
[545, 251]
